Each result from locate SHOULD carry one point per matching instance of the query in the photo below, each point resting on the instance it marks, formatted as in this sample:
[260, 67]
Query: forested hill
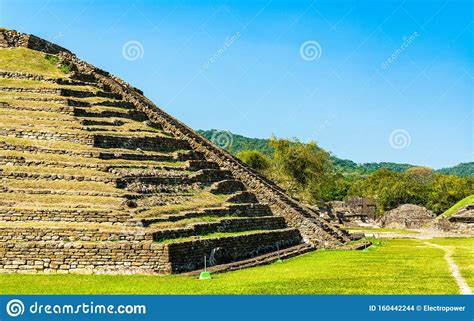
[237, 143]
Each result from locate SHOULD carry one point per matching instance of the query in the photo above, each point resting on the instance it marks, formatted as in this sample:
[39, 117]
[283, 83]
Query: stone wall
[66, 215]
[143, 143]
[68, 234]
[226, 225]
[189, 256]
[47, 135]
[84, 257]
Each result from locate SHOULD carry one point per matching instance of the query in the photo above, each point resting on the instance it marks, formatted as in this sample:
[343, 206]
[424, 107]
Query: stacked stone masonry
[153, 165]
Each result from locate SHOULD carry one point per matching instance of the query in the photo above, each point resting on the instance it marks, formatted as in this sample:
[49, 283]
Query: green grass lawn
[463, 255]
[398, 266]
[380, 230]
[458, 205]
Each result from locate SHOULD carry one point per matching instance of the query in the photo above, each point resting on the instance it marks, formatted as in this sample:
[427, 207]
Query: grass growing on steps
[458, 205]
[31, 62]
[400, 266]
[208, 236]
[5, 112]
[7, 169]
[186, 222]
[84, 160]
[42, 201]
[202, 199]
[26, 83]
[63, 185]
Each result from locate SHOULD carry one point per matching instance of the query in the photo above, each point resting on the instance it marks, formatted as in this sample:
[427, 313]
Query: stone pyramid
[97, 179]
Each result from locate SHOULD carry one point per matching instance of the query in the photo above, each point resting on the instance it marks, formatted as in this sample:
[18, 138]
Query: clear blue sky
[350, 98]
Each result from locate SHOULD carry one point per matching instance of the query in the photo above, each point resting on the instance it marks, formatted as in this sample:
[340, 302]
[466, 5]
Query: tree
[255, 160]
[447, 191]
[390, 189]
[305, 170]
[423, 175]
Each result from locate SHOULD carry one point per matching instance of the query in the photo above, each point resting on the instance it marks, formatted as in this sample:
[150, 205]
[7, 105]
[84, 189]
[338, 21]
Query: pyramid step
[228, 186]
[151, 143]
[78, 215]
[243, 197]
[68, 232]
[92, 122]
[33, 191]
[260, 260]
[59, 109]
[117, 104]
[85, 257]
[209, 176]
[194, 165]
[137, 156]
[186, 256]
[18, 175]
[236, 210]
[226, 225]
[130, 114]
[86, 94]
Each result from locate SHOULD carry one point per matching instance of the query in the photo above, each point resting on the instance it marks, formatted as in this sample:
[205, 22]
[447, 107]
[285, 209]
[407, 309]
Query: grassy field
[463, 255]
[398, 266]
[458, 205]
[381, 230]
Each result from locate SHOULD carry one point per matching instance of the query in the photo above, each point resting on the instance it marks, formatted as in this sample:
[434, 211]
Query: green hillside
[238, 143]
[458, 205]
[463, 169]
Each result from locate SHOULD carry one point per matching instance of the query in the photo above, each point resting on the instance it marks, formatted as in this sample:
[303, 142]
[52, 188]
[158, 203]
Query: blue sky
[386, 80]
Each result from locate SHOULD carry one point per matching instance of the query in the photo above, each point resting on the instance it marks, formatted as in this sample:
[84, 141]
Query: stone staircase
[95, 178]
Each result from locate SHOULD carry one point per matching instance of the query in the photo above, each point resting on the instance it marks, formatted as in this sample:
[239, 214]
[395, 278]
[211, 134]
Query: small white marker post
[205, 275]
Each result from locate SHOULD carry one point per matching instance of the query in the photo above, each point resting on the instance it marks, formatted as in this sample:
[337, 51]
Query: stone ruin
[353, 212]
[462, 220]
[95, 178]
[407, 216]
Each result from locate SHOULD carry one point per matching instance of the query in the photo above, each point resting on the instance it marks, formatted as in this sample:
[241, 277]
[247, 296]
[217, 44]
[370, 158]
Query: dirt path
[463, 287]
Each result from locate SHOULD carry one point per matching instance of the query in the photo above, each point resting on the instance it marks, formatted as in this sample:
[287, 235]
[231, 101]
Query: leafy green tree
[390, 189]
[255, 160]
[423, 175]
[447, 191]
[303, 169]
